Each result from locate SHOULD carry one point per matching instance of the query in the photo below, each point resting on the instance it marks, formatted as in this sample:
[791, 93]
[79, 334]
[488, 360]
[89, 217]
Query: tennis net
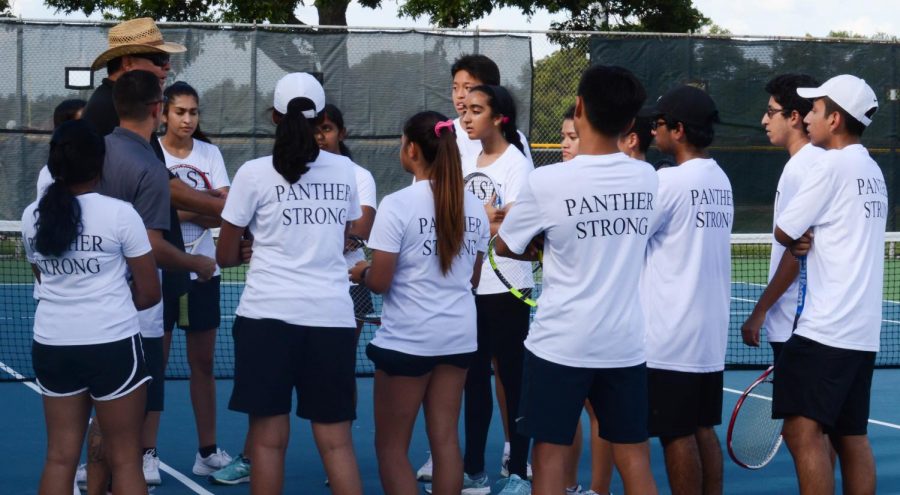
[750, 264]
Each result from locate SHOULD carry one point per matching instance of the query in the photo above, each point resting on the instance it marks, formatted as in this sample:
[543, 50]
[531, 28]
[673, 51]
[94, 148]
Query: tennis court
[23, 429]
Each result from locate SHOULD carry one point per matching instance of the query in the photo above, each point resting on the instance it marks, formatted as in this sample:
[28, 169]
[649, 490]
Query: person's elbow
[501, 248]
[782, 238]
[147, 297]
[227, 258]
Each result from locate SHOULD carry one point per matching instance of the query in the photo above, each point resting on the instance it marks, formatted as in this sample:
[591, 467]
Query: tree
[5, 10]
[331, 12]
[670, 16]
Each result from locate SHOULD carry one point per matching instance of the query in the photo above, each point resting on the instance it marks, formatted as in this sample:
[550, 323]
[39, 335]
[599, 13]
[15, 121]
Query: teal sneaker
[512, 486]
[236, 472]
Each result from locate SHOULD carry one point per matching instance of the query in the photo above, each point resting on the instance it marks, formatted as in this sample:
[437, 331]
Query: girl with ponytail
[294, 328]
[427, 246]
[490, 116]
[87, 349]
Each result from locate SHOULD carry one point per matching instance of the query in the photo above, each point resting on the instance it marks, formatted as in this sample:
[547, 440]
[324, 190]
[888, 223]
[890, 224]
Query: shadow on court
[24, 440]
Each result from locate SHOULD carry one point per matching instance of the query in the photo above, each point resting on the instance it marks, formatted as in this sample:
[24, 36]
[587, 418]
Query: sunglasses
[157, 59]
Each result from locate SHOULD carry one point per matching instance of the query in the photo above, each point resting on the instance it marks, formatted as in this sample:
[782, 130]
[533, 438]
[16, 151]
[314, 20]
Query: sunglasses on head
[157, 59]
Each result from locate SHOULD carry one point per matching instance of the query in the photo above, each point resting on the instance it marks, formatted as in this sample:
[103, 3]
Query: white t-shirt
[43, 182]
[780, 317]
[844, 199]
[297, 272]
[686, 280]
[469, 149]
[365, 184]
[508, 173]
[208, 160]
[85, 298]
[596, 213]
[425, 312]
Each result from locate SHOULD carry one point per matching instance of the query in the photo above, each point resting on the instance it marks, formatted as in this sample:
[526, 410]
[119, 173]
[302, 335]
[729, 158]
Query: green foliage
[5, 10]
[555, 84]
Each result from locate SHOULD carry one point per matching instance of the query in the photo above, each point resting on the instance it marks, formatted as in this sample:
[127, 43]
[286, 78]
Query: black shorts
[153, 358]
[198, 310]
[396, 363]
[776, 350]
[273, 358]
[553, 396]
[827, 384]
[106, 371]
[362, 300]
[680, 402]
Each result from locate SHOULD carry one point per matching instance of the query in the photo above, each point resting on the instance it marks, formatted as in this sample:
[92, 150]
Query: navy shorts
[396, 363]
[272, 359]
[153, 357]
[553, 396]
[827, 384]
[680, 402]
[106, 371]
[198, 310]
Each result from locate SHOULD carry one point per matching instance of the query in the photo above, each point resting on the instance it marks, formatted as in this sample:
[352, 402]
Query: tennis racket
[753, 436]
[801, 292]
[482, 186]
[198, 180]
[366, 304]
[521, 282]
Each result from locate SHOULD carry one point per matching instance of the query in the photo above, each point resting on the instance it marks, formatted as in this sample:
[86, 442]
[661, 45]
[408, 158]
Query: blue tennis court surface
[23, 438]
[23, 444]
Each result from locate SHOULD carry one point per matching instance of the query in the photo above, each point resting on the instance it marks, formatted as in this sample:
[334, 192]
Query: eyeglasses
[657, 123]
[771, 112]
[157, 59]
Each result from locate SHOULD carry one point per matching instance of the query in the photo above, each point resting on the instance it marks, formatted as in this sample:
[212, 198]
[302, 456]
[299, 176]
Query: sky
[757, 17]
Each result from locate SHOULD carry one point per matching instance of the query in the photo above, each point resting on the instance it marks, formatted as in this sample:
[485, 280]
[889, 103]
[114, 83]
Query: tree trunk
[332, 12]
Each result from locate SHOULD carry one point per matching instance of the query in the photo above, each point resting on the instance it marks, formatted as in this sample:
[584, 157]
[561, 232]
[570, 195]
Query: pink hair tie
[446, 124]
[504, 120]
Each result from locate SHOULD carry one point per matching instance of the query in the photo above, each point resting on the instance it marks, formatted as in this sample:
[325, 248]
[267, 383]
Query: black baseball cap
[687, 104]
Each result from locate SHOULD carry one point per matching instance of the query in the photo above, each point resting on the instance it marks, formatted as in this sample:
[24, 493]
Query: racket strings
[755, 436]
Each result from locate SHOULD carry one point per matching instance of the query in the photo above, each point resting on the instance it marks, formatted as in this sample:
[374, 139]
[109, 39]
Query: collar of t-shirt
[123, 133]
[594, 159]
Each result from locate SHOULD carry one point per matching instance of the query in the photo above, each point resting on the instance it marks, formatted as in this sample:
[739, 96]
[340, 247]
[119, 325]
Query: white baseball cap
[299, 85]
[849, 92]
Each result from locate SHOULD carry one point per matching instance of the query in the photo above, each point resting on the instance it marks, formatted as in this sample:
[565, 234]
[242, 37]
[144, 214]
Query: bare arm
[362, 226]
[185, 197]
[800, 246]
[784, 275]
[229, 248]
[531, 253]
[169, 257]
[145, 291]
[476, 270]
[36, 272]
[379, 274]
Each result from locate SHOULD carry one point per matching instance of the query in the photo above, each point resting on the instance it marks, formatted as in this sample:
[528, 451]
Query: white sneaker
[81, 476]
[204, 466]
[504, 467]
[151, 468]
[424, 472]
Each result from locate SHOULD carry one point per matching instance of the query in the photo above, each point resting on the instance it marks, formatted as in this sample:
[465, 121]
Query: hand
[246, 247]
[801, 246]
[204, 267]
[750, 328]
[356, 271]
[494, 214]
[535, 247]
[352, 243]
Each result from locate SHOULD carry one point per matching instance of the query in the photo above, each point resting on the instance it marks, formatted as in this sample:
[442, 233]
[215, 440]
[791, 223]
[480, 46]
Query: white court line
[165, 467]
[184, 480]
[873, 421]
[743, 299]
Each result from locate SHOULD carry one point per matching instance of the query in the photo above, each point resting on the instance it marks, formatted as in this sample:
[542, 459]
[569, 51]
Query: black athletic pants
[502, 328]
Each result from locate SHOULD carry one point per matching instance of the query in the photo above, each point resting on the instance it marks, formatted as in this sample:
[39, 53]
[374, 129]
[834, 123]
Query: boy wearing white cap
[838, 218]
[294, 330]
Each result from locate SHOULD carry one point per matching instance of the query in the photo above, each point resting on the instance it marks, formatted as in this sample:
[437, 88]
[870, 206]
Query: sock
[506, 448]
[207, 451]
[152, 451]
[573, 488]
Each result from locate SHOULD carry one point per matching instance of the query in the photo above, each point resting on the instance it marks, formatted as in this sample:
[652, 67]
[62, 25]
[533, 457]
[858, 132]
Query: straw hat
[134, 37]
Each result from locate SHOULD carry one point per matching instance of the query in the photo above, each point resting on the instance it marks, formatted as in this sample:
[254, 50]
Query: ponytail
[76, 157]
[295, 141]
[436, 139]
[502, 105]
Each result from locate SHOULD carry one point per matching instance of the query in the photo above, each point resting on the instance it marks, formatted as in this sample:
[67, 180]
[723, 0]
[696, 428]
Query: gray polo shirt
[133, 173]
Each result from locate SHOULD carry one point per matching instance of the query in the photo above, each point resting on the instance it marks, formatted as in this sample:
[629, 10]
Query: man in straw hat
[137, 46]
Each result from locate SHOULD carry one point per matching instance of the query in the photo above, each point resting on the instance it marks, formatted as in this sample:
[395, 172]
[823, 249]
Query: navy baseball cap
[687, 104]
